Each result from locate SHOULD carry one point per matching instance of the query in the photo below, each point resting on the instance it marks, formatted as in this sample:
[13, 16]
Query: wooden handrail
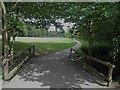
[23, 51]
[31, 51]
[109, 65]
[95, 59]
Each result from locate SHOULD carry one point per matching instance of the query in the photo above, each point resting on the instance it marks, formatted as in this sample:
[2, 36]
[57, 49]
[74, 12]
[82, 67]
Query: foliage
[17, 24]
[37, 32]
[41, 32]
[55, 34]
[69, 33]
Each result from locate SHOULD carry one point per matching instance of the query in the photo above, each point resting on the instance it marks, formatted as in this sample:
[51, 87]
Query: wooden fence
[110, 66]
[16, 63]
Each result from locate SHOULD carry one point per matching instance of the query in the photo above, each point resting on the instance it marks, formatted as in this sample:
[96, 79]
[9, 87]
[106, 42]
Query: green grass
[43, 47]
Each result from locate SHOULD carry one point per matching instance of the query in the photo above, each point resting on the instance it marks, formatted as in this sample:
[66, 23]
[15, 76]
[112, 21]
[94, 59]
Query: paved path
[53, 71]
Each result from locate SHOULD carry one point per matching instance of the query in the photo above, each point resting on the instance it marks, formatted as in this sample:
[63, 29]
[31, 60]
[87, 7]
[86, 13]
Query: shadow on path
[53, 71]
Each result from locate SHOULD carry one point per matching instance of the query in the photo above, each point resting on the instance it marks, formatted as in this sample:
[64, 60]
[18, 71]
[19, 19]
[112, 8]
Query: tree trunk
[55, 28]
[0, 40]
[5, 47]
[5, 53]
[12, 44]
[89, 45]
[89, 39]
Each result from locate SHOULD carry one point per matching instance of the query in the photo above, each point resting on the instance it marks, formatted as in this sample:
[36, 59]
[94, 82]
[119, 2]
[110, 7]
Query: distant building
[51, 28]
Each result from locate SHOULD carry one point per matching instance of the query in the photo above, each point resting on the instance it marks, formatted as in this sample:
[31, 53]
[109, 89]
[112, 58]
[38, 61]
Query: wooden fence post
[33, 50]
[70, 52]
[110, 71]
[29, 50]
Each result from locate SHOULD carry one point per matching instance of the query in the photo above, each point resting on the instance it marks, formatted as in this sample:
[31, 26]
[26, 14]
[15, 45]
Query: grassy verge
[49, 47]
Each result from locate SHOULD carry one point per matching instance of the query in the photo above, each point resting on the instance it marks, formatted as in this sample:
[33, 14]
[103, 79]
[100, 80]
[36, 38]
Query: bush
[37, 32]
[98, 50]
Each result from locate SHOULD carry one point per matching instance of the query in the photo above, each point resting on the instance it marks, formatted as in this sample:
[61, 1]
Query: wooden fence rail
[17, 62]
[109, 65]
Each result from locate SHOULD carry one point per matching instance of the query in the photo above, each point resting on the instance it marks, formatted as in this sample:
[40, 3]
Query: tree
[5, 46]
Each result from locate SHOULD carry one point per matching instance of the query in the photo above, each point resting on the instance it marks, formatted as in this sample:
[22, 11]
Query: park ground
[53, 69]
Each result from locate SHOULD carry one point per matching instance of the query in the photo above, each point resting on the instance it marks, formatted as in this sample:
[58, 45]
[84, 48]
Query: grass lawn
[48, 47]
